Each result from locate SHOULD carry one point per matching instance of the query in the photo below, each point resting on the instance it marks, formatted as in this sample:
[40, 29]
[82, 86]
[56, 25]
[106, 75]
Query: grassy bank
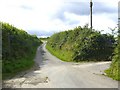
[63, 55]
[14, 67]
[114, 70]
[81, 44]
[0, 70]
[18, 50]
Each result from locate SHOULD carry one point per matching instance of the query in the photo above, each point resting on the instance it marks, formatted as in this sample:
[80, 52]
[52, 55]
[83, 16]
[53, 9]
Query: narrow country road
[54, 73]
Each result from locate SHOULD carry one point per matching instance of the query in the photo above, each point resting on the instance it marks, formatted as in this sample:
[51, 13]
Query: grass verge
[66, 55]
[113, 71]
[11, 68]
[63, 55]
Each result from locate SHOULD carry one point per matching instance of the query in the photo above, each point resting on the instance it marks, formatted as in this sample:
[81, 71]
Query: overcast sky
[45, 17]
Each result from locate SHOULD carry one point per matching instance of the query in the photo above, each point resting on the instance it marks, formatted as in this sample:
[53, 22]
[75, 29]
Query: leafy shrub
[96, 47]
[18, 49]
[83, 44]
[114, 70]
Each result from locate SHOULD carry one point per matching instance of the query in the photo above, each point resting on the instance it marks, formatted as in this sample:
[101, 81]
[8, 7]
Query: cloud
[40, 32]
[83, 8]
[101, 7]
[103, 23]
[45, 17]
[26, 7]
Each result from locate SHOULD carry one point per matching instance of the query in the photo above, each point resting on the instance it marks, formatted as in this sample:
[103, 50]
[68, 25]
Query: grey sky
[45, 17]
[82, 8]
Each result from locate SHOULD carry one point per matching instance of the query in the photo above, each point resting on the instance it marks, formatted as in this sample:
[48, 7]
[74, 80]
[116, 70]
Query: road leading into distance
[54, 73]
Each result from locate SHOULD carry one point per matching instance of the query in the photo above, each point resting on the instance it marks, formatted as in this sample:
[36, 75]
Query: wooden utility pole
[91, 4]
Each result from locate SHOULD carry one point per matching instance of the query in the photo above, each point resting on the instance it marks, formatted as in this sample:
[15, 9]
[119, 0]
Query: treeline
[18, 49]
[82, 44]
[44, 39]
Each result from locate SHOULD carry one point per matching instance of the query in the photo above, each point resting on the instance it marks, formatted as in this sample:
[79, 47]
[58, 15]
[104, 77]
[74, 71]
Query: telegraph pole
[91, 4]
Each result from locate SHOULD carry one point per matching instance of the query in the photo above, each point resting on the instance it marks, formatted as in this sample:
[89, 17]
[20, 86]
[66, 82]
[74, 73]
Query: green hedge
[82, 44]
[114, 70]
[18, 50]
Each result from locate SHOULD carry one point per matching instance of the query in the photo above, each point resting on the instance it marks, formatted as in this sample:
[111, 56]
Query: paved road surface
[54, 73]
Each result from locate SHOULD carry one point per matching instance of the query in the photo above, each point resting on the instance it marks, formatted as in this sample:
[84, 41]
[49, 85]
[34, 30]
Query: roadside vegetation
[82, 44]
[114, 70]
[0, 56]
[18, 50]
[44, 39]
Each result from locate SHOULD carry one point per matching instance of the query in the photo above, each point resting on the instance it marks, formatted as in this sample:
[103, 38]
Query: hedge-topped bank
[114, 70]
[81, 44]
[18, 50]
